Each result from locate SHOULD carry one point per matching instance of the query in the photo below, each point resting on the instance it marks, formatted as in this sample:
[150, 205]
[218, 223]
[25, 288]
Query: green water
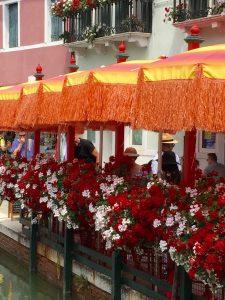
[18, 285]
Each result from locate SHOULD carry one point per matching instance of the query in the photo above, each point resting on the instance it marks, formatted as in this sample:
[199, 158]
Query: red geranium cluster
[10, 171]
[125, 219]
[192, 227]
[83, 189]
[31, 186]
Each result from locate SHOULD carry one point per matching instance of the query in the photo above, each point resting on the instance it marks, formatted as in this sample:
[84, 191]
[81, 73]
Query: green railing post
[33, 245]
[116, 275]
[67, 271]
[185, 285]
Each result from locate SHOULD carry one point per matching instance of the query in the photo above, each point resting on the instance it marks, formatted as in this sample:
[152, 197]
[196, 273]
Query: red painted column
[119, 134]
[194, 41]
[37, 134]
[71, 130]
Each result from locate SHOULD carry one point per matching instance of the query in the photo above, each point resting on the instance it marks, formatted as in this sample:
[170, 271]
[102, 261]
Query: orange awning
[184, 91]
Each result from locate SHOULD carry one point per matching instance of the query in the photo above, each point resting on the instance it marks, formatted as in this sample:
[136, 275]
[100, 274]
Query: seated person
[135, 169]
[214, 166]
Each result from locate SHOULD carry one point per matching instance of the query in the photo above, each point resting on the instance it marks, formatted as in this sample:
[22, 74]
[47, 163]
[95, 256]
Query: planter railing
[192, 9]
[119, 17]
[150, 277]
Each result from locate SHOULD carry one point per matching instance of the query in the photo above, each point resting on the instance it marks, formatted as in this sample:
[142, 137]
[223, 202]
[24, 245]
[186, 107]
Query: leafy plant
[82, 283]
[132, 24]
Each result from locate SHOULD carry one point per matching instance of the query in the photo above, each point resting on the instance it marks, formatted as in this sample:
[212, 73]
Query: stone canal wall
[86, 282]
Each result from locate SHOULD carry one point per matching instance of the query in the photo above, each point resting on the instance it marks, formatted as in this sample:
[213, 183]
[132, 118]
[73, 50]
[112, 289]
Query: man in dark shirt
[86, 151]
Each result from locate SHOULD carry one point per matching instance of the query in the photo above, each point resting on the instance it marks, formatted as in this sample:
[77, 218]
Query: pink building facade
[29, 35]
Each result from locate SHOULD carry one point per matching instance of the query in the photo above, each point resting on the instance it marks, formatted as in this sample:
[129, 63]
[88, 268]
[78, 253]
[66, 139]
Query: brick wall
[50, 270]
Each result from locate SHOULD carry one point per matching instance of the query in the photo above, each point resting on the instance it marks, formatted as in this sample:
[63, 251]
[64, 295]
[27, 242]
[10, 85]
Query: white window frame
[48, 25]
[204, 150]
[5, 22]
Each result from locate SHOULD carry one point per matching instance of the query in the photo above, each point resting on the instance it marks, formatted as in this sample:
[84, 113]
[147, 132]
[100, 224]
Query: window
[56, 27]
[91, 136]
[12, 12]
[137, 137]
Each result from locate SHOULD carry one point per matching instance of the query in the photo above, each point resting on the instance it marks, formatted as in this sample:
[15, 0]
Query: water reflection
[17, 284]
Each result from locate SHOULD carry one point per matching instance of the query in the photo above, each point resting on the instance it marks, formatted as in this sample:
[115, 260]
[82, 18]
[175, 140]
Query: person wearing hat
[22, 146]
[132, 154]
[168, 144]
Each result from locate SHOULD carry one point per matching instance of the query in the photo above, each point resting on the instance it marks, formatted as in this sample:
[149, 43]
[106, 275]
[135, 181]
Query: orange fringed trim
[165, 105]
[73, 103]
[8, 111]
[28, 110]
[210, 107]
[110, 102]
[180, 105]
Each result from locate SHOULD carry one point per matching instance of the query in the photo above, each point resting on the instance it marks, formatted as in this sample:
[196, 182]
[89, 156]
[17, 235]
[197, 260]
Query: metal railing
[111, 18]
[149, 275]
[191, 9]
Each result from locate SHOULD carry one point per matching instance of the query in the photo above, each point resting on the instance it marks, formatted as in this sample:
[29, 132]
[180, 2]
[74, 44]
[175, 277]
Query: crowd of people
[20, 145]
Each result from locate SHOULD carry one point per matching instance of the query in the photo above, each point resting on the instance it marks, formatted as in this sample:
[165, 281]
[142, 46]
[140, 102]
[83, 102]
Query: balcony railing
[119, 17]
[192, 9]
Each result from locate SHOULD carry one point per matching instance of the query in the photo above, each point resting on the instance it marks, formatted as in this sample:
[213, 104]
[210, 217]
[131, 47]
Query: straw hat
[131, 152]
[168, 139]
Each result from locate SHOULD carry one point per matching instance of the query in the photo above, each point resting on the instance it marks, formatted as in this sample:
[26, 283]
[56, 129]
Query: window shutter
[56, 27]
[13, 25]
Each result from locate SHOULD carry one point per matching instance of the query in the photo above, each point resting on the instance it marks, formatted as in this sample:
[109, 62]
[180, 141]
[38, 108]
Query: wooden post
[160, 154]
[71, 130]
[119, 135]
[67, 271]
[37, 134]
[119, 140]
[116, 275]
[33, 245]
[193, 41]
[185, 285]
[70, 143]
[68, 235]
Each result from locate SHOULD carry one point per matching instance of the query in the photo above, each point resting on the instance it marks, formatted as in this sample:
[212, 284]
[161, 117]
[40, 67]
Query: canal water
[16, 284]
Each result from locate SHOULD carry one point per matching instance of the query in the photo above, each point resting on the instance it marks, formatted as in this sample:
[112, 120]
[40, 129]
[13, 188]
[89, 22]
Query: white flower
[170, 221]
[192, 192]
[172, 250]
[40, 175]
[91, 208]
[43, 199]
[122, 228]
[177, 217]
[150, 184]
[49, 172]
[115, 237]
[163, 245]
[156, 223]
[173, 207]
[108, 245]
[194, 208]
[107, 233]
[86, 194]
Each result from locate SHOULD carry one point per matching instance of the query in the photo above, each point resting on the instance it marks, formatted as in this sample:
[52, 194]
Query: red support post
[119, 134]
[194, 41]
[37, 134]
[71, 130]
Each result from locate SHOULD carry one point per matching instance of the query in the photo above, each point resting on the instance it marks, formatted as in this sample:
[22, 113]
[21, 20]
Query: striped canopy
[184, 91]
[178, 93]
[104, 94]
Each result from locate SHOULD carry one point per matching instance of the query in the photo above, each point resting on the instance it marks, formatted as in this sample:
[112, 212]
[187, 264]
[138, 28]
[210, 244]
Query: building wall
[16, 66]
[35, 47]
[32, 14]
